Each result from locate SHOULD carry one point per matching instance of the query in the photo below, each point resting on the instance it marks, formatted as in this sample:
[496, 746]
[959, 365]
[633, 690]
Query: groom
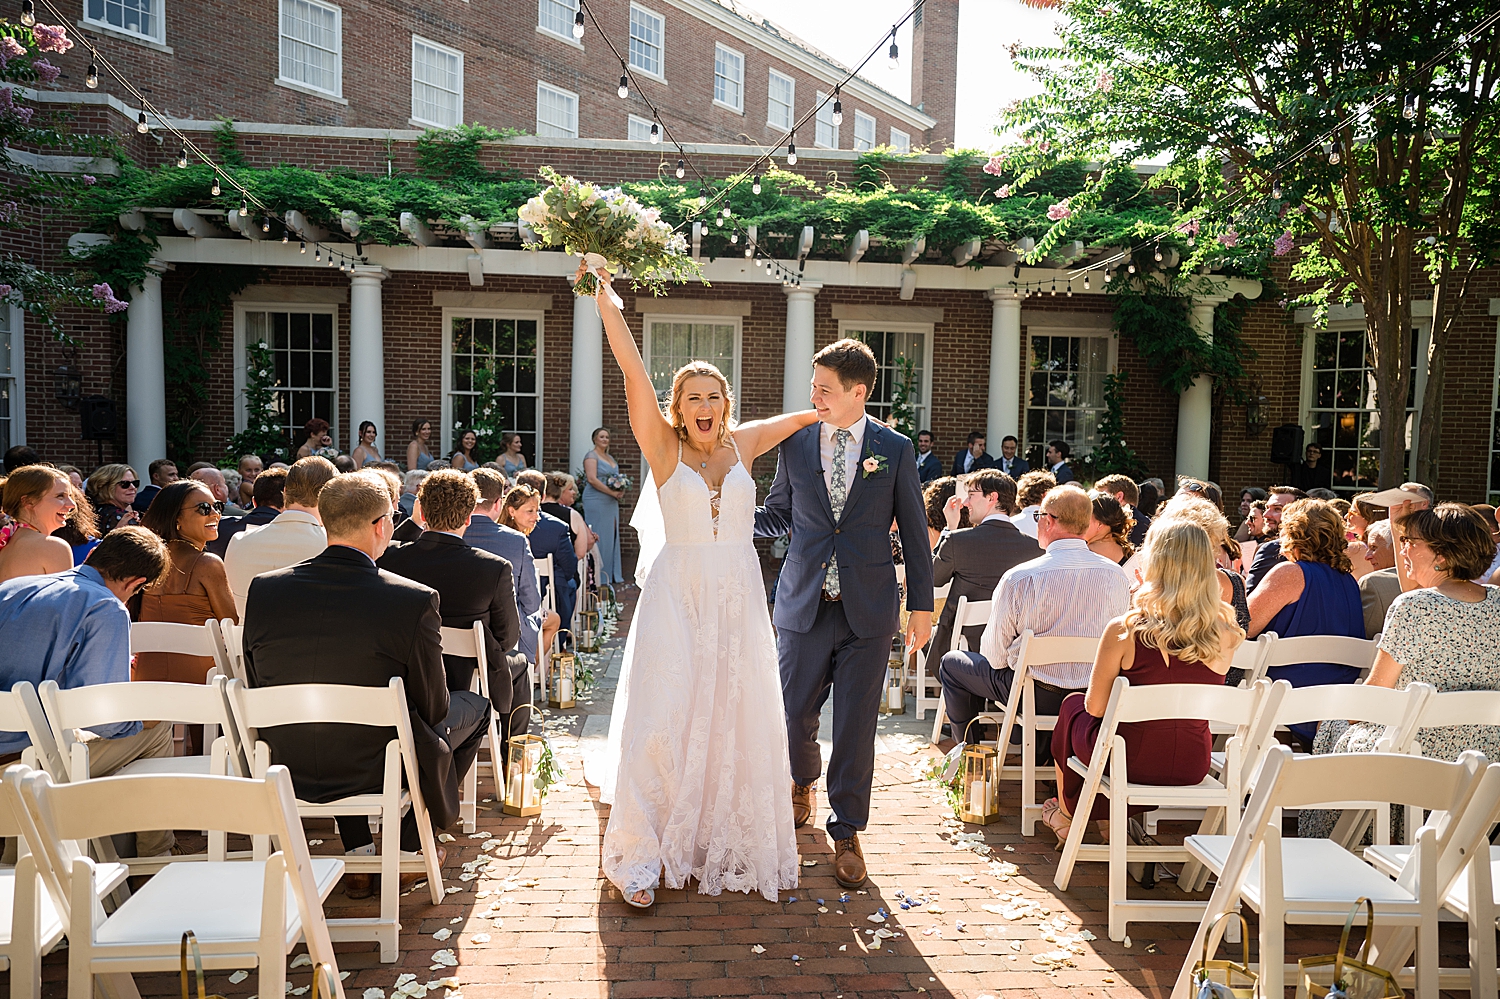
[839, 484]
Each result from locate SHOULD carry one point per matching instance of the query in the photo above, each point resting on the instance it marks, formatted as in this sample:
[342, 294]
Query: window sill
[419, 123]
[729, 107]
[129, 36]
[567, 39]
[653, 77]
[783, 129]
[303, 88]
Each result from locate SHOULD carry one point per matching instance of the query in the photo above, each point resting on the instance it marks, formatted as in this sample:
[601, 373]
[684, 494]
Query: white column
[1195, 405]
[145, 373]
[367, 354]
[795, 391]
[586, 403]
[1005, 368]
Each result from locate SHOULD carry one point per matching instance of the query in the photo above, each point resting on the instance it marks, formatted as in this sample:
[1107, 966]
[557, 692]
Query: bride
[698, 771]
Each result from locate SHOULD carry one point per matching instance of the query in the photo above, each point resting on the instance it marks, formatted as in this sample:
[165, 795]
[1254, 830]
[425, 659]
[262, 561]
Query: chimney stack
[934, 68]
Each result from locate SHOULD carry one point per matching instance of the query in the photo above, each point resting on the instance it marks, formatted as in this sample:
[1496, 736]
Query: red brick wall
[934, 67]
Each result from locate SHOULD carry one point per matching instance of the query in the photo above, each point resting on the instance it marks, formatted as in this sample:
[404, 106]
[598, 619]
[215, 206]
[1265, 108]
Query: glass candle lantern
[981, 786]
[894, 700]
[522, 795]
[561, 677]
[588, 631]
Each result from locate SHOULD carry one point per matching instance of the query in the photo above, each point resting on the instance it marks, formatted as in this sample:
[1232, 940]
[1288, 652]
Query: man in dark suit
[929, 465]
[338, 618]
[550, 537]
[1010, 463]
[1057, 461]
[1124, 489]
[974, 559]
[974, 457]
[270, 493]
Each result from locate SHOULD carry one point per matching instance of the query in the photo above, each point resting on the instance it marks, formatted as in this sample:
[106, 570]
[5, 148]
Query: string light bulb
[1332, 149]
[1276, 191]
[330, 259]
[1409, 109]
[28, 14]
[265, 224]
[216, 190]
[302, 246]
[894, 55]
[91, 79]
[578, 24]
[655, 134]
[681, 168]
[244, 207]
[1070, 287]
[140, 123]
[838, 109]
[725, 213]
[317, 253]
[791, 151]
[182, 159]
[755, 185]
[1054, 286]
[734, 237]
[1157, 255]
[757, 259]
[624, 89]
[1085, 282]
[285, 237]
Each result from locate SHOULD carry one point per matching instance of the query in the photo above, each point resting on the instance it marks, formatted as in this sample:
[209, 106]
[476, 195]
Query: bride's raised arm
[759, 436]
[656, 436]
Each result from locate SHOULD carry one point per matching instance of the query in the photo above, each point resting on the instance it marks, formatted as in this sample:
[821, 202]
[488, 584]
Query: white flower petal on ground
[445, 958]
[374, 994]
[442, 934]
[238, 976]
[300, 961]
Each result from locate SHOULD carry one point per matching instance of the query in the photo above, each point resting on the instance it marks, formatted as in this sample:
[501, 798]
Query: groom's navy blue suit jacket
[798, 502]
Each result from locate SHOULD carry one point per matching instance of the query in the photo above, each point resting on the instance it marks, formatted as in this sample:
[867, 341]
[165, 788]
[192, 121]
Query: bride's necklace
[704, 462]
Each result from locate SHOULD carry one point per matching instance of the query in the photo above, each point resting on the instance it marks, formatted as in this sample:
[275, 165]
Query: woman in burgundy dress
[1177, 631]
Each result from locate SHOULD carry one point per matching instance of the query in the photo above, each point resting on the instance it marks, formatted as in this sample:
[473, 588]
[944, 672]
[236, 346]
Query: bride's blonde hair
[694, 369]
[1178, 609]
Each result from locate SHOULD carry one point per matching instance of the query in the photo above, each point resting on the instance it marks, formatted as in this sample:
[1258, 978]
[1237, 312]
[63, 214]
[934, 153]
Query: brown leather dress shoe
[802, 803]
[848, 862]
[407, 880]
[359, 885]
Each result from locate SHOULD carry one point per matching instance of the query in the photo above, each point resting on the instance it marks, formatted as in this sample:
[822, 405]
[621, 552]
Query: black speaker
[1286, 444]
[98, 418]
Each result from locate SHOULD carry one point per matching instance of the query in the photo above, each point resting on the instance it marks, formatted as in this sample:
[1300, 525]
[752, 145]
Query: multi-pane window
[1343, 412]
[10, 342]
[729, 77]
[900, 377]
[138, 17]
[1494, 491]
[645, 40]
[673, 343]
[638, 129]
[505, 349]
[864, 131]
[556, 16]
[827, 133]
[557, 113]
[900, 141]
[312, 45]
[1066, 397]
[303, 349]
[781, 94]
[437, 83]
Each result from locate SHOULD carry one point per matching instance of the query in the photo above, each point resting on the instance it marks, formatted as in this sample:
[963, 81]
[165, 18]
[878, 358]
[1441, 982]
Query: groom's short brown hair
[851, 360]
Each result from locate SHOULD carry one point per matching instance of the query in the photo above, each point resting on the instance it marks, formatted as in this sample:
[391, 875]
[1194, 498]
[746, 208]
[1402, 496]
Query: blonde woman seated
[1177, 631]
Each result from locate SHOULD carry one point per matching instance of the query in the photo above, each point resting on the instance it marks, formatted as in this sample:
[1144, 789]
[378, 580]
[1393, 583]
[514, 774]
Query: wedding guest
[1067, 591]
[72, 627]
[1379, 587]
[111, 490]
[972, 458]
[1175, 632]
[1313, 472]
[1108, 533]
[162, 473]
[1030, 491]
[1359, 513]
[74, 476]
[512, 461]
[19, 456]
[562, 493]
[1268, 555]
[972, 560]
[929, 466]
[1057, 461]
[213, 479]
[267, 498]
[1150, 494]
[232, 482]
[1199, 511]
[40, 501]
[249, 467]
[315, 434]
[417, 455]
[295, 535]
[1249, 496]
[935, 497]
[1128, 495]
[366, 451]
[1010, 463]
[521, 510]
[389, 627]
[463, 459]
[601, 506]
[1206, 490]
[411, 482]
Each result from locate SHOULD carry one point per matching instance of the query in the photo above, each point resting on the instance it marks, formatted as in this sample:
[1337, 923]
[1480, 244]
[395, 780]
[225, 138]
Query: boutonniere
[874, 464]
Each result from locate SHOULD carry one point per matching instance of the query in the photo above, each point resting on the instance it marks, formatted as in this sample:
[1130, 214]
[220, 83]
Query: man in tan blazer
[296, 534]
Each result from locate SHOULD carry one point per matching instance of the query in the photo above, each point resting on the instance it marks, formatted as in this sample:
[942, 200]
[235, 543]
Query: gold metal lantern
[588, 631]
[523, 795]
[562, 673]
[894, 701]
[981, 784]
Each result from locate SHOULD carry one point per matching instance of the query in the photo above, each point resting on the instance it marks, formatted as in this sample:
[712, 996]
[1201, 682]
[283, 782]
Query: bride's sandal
[650, 899]
[1058, 821]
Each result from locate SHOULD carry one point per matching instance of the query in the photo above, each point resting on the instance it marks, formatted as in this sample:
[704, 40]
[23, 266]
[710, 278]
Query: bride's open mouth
[705, 424]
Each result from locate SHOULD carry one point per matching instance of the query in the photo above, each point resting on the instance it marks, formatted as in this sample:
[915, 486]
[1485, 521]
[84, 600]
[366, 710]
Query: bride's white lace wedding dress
[698, 778]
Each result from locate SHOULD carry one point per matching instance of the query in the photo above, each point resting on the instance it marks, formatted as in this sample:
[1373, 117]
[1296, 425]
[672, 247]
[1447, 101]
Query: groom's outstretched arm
[775, 518]
[911, 522]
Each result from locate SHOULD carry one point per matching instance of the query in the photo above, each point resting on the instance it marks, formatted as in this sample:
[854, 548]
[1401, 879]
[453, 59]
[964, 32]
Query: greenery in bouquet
[584, 219]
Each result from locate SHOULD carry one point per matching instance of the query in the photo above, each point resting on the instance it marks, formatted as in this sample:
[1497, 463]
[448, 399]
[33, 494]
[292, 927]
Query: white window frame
[902, 145]
[564, 36]
[869, 143]
[17, 374]
[1091, 332]
[338, 54]
[738, 108]
[445, 418]
[649, 319]
[791, 107]
[825, 111]
[645, 125]
[852, 327]
[159, 37]
[540, 86]
[660, 72]
[419, 40]
[274, 305]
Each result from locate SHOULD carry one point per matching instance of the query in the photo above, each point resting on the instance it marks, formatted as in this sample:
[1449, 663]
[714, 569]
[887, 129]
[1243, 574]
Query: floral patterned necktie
[838, 492]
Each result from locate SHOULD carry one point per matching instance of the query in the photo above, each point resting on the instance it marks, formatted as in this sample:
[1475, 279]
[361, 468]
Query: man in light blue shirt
[72, 627]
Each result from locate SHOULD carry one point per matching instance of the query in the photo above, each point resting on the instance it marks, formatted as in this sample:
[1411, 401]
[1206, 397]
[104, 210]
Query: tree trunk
[1429, 434]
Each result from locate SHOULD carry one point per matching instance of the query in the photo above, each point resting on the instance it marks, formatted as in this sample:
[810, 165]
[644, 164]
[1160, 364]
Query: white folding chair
[256, 708]
[1248, 658]
[1218, 798]
[1316, 881]
[233, 636]
[245, 914]
[545, 580]
[206, 640]
[1438, 710]
[927, 669]
[21, 711]
[1338, 649]
[968, 614]
[469, 643]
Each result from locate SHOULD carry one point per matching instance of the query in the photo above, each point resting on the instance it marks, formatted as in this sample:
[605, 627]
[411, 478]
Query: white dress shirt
[292, 537]
[1025, 521]
[968, 460]
[1006, 464]
[1068, 591]
[851, 452]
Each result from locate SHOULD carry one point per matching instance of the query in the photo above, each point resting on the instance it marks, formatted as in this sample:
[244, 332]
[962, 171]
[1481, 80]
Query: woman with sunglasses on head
[194, 589]
[112, 489]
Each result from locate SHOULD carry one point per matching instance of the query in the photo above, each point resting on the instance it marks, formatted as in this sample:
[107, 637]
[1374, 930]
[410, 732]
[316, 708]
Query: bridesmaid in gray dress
[601, 506]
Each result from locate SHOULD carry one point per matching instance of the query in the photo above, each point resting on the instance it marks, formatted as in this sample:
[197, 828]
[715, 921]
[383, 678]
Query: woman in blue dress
[463, 459]
[601, 506]
[512, 461]
[417, 455]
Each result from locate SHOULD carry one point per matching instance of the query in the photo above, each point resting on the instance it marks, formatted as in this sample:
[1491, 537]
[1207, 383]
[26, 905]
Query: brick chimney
[934, 68]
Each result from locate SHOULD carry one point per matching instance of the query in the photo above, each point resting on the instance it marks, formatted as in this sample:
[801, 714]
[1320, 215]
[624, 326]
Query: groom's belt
[831, 598]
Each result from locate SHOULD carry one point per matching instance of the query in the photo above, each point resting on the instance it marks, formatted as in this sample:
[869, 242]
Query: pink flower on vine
[104, 293]
[89, 180]
[52, 38]
[1284, 244]
[1044, 146]
[10, 49]
[995, 165]
[1190, 228]
[45, 71]
[1060, 211]
[5, 289]
[1104, 82]
[1005, 190]
[1230, 238]
[9, 107]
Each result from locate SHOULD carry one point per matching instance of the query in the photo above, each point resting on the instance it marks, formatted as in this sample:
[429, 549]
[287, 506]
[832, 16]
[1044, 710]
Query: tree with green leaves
[1360, 136]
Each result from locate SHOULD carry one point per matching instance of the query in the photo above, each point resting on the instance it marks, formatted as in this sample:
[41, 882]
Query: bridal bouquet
[612, 228]
[619, 481]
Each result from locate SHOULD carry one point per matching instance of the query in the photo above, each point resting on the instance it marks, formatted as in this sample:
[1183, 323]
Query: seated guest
[250, 467]
[935, 497]
[1446, 633]
[1150, 496]
[1057, 461]
[295, 535]
[1175, 632]
[973, 560]
[72, 627]
[1249, 496]
[562, 492]
[112, 490]
[1128, 495]
[1207, 516]
[1067, 591]
[338, 618]
[214, 480]
[1030, 489]
[1203, 490]
[1361, 513]
[410, 482]
[973, 457]
[162, 472]
[1379, 587]
[472, 585]
[20, 456]
[546, 539]
[315, 434]
[269, 497]
[1109, 528]
[1268, 554]
[232, 481]
[40, 501]
[1312, 594]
